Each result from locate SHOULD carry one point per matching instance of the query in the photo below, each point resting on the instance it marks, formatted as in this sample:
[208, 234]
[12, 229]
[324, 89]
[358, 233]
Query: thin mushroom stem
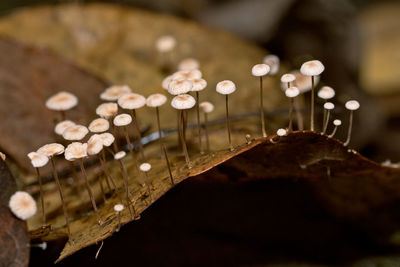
[102, 188]
[184, 148]
[148, 187]
[63, 116]
[290, 129]
[228, 123]
[312, 103]
[119, 222]
[349, 131]
[333, 132]
[75, 177]
[198, 122]
[127, 192]
[264, 133]
[299, 117]
[90, 192]
[136, 124]
[105, 170]
[163, 149]
[55, 174]
[184, 124]
[41, 196]
[128, 141]
[105, 175]
[326, 120]
[206, 130]
[114, 132]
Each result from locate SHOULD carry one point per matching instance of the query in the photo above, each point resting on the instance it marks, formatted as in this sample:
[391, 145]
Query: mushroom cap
[131, 101]
[165, 83]
[156, 100]
[183, 101]
[75, 132]
[22, 205]
[118, 207]
[329, 106]
[62, 125]
[206, 107]
[178, 87]
[337, 122]
[51, 149]
[326, 92]
[112, 93]
[62, 101]
[303, 82]
[187, 74]
[99, 125]
[352, 105]
[199, 84]
[76, 150]
[38, 160]
[312, 68]
[226, 87]
[260, 70]
[107, 110]
[107, 138]
[165, 43]
[119, 155]
[94, 144]
[292, 92]
[145, 167]
[288, 78]
[189, 64]
[273, 62]
[281, 132]
[122, 119]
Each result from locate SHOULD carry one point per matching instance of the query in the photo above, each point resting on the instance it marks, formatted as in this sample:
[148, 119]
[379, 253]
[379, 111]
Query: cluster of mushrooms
[185, 86]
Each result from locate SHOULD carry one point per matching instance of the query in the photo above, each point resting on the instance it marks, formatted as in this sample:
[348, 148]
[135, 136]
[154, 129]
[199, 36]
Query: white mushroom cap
[62, 125]
[62, 101]
[260, 70]
[99, 125]
[75, 133]
[119, 155]
[112, 93]
[107, 110]
[184, 101]
[38, 160]
[189, 64]
[165, 83]
[107, 138]
[352, 105]
[226, 87]
[312, 68]
[273, 62]
[337, 122]
[131, 101]
[145, 167]
[165, 43]
[326, 92]
[281, 132]
[118, 207]
[206, 107]
[288, 78]
[292, 92]
[329, 106]
[156, 100]
[50, 150]
[76, 150]
[22, 205]
[122, 119]
[187, 75]
[302, 82]
[199, 84]
[178, 87]
[94, 144]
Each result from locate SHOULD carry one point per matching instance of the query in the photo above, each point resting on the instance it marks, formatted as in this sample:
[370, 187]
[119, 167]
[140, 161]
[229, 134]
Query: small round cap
[94, 144]
[260, 70]
[178, 87]
[120, 155]
[165, 43]
[99, 125]
[118, 207]
[38, 160]
[292, 92]
[62, 101]
[107, 110]
[75, 133]
[62, 125]
[189, 64]
[352, 105]
[145, 167]
[50, 150]
[337, 122]
[326, 92]
[184, 101]
[187, 75]
[302, 82]
[112, 93]
[281, 132]
[273, 62]
[131, 101]
[22, 205]
[75, 150]
[312, 68]
[288, 78]
[165, 83]
[122, 119]
[199, 84]
[156, 100]
[107, 138]
[206, 107]
[226, 87]
[329, 106]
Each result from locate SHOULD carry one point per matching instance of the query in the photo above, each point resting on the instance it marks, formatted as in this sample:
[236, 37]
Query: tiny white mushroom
[107, 110]
[165, 43]
[206, 107]
[187, 75]
[156, 100]
[62, 125]
[131, 101]
[273, 62]
[166, 81]
[199, 85]
[326, 92]
[62, 101]
[75, 132]
[337, 123]
[51, 150]
[287, 79]
[351, 105]
[94, 145]
[108, 139]
[281, 132]
[291, 93]
[123, 120]
[99, 125]
[178, 87]
[189, 64]
[328, 106]
[261, 70]
[118, 208]
[22, 205]
[226, 88]
[119, 156]
[146, 167]
[112, 93]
